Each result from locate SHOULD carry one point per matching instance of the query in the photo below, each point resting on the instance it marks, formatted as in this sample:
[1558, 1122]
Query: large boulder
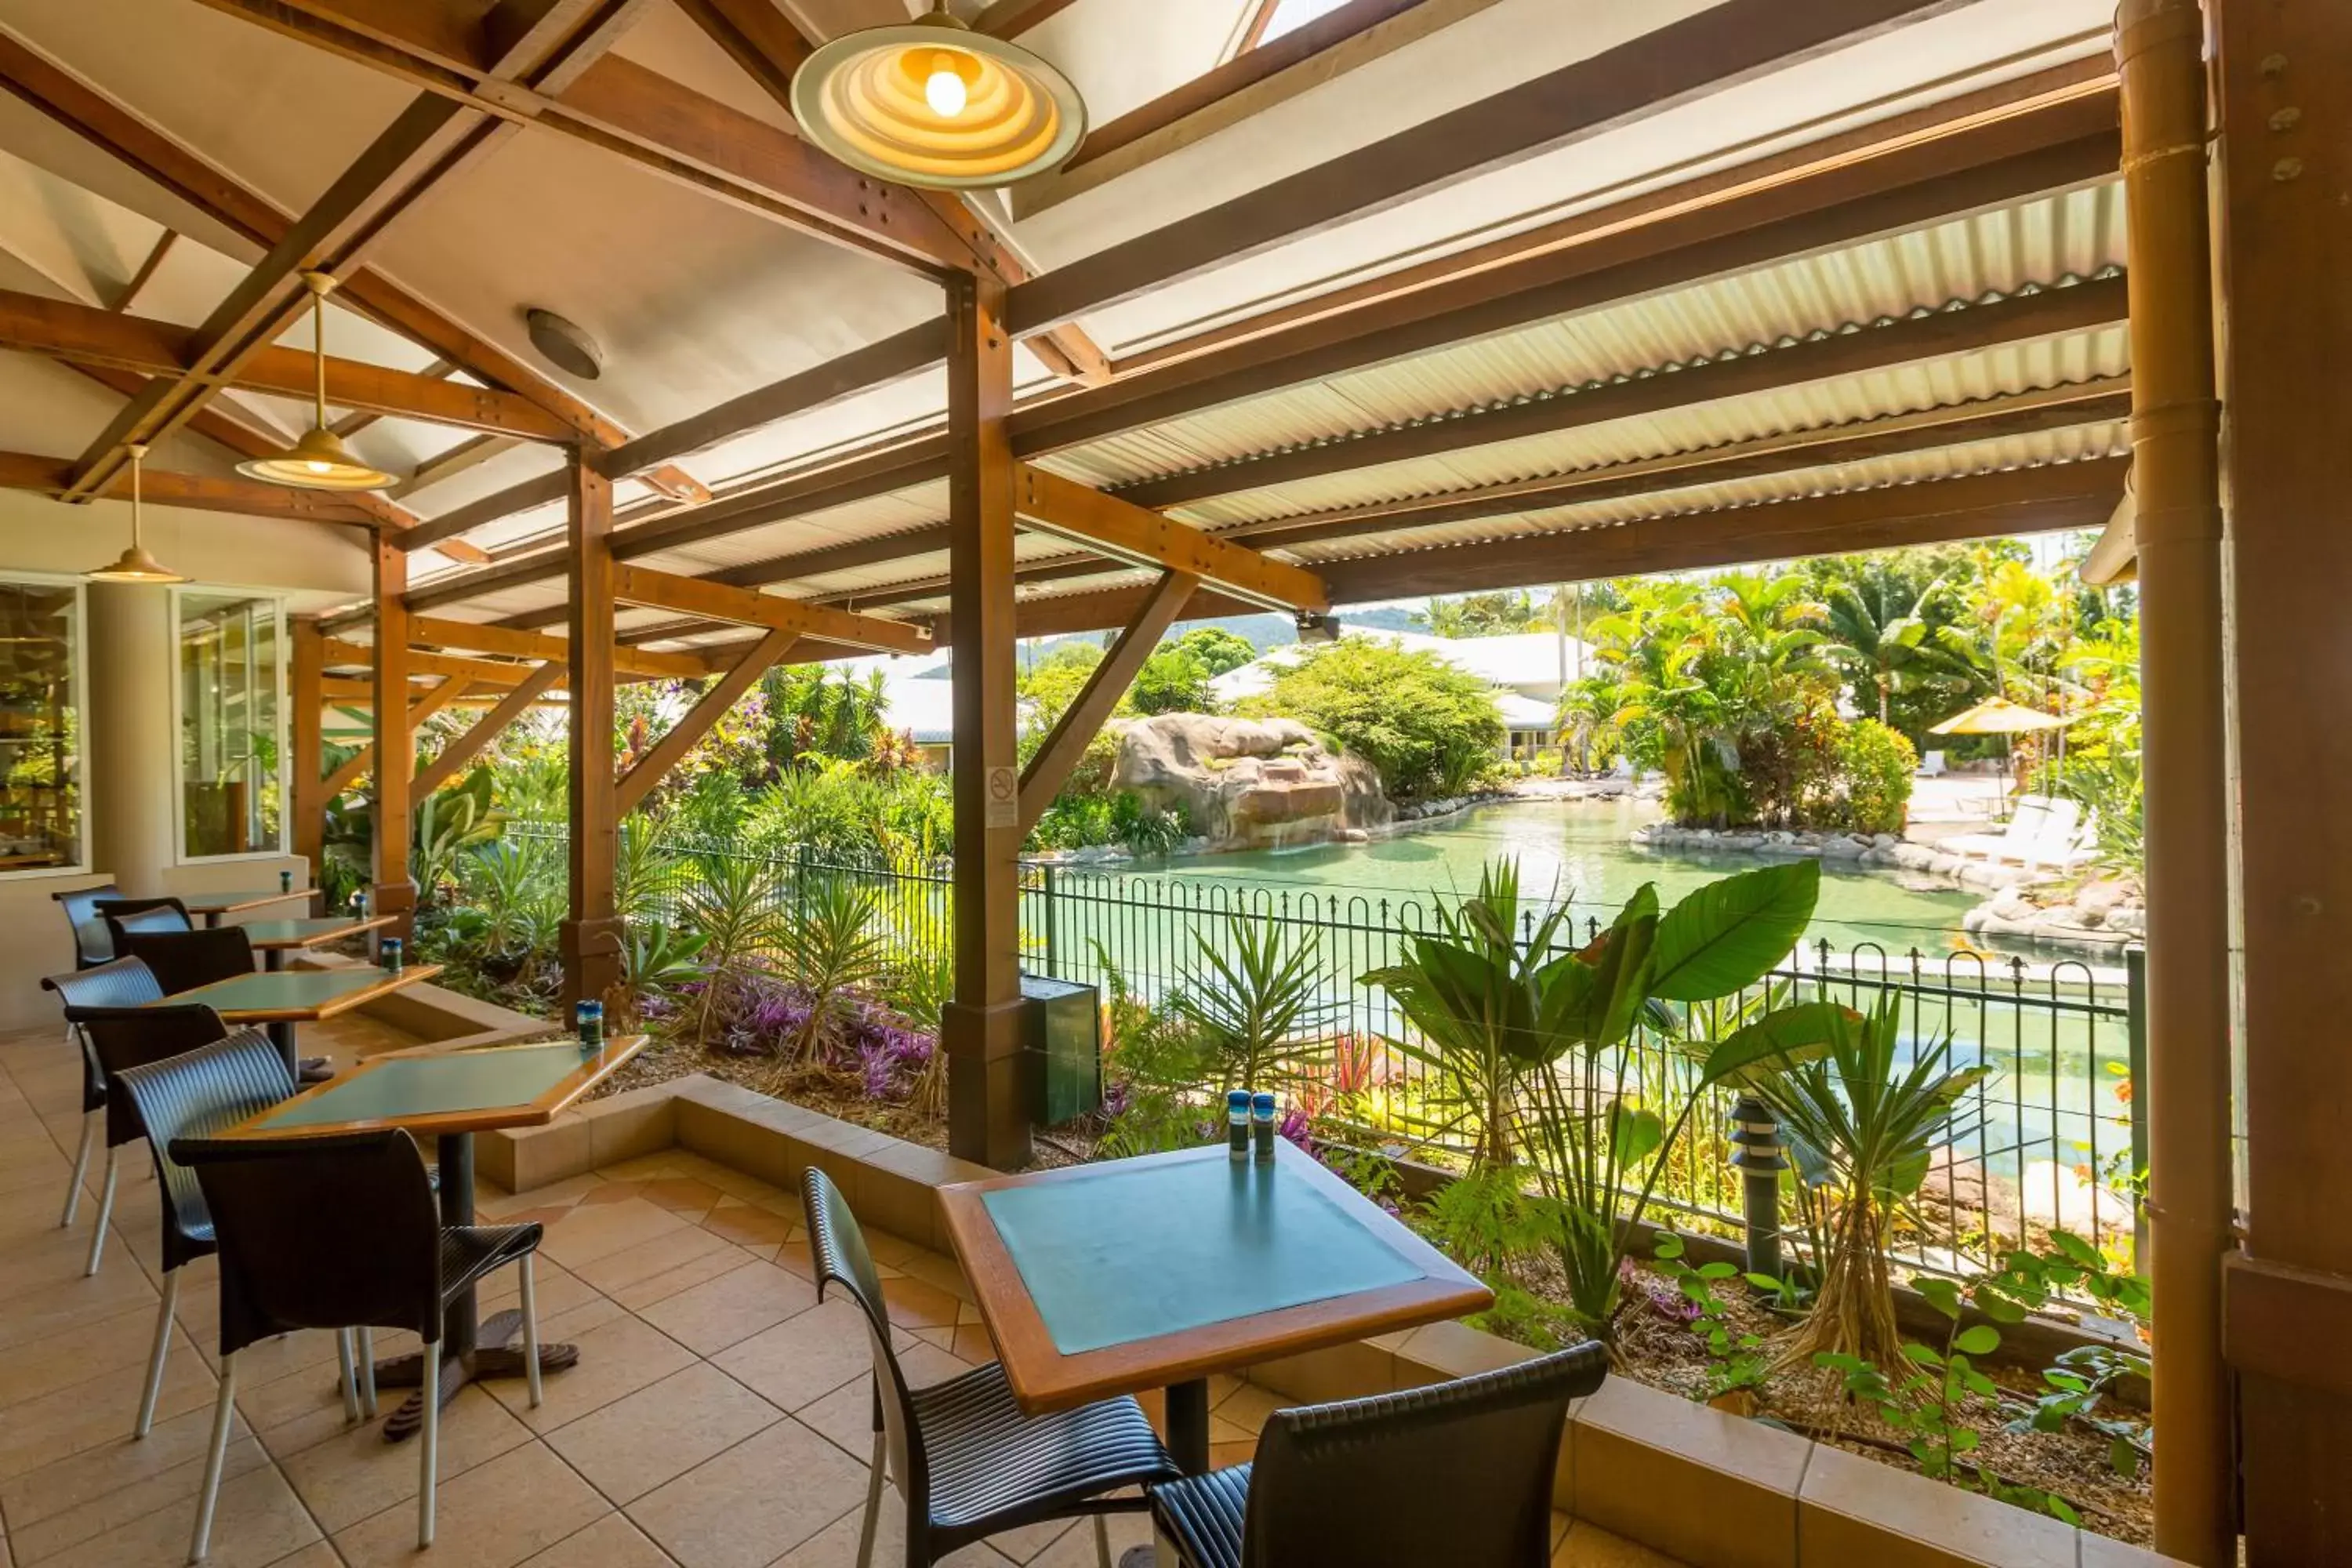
[1249, 784]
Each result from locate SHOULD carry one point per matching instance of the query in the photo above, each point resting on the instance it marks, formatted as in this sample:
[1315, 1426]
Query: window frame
[277, 602]
[80, 867]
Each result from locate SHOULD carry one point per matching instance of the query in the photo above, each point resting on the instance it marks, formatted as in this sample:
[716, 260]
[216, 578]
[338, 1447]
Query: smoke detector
[563, 344]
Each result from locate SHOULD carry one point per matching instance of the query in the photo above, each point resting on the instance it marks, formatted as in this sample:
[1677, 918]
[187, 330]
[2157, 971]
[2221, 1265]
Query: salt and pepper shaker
[1262, 1126]
[390, 954]
[588, 1018]
[1237, 1123]
[285, 881]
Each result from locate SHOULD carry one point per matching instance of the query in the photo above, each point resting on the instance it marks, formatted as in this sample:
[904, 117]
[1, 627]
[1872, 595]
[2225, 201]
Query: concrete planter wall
[1691, 1483]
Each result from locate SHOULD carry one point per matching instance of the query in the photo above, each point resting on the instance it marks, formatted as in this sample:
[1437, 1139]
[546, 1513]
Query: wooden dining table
[280, 1000]
[214, 906]
[449, 1096]
[1155, 1272]
[275, 939]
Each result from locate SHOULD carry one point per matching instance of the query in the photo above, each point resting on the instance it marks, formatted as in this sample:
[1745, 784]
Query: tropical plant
[1429, 728]
[1870, 791]
[447, 825]
[1173, 680]
[1864, 1120]
[520, 891]
[1218, 650]
[1481, 614]
[734, 901]
[645, 873]
[1254, 1002]
[657, 959]
[834, 945]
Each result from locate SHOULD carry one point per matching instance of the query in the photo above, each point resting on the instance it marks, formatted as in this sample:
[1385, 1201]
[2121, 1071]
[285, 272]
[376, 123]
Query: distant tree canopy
[1218, 650]
[1430, 728]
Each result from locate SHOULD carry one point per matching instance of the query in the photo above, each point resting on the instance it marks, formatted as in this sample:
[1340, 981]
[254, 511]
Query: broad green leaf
[1718, 1270]
[1921, 1354]
[1982, 1340]
[1776, 1042]
[2123, 1457]
[1730, 933]
[1941, 1294]
[2076, 1249]
[2000, 1309]
[1635, 1135]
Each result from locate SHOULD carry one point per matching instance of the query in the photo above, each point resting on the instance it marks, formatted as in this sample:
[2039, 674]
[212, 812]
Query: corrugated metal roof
[2042, 242]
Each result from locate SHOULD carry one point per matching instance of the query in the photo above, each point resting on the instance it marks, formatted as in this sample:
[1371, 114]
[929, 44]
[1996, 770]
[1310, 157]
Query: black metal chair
[185, 959]
[1460, 1473]
[93, 945]
[242, 1073]
[118, 983]
[122, 1038]
[338, 1231]
[968, 1463]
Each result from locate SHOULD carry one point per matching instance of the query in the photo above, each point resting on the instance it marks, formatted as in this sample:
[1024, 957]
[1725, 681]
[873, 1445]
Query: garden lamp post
[1756, 1154]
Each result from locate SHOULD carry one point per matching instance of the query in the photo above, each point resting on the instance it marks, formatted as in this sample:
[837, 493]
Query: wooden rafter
[534, 686]
[148, 267]
[2044, 134]
[697, 720]
[1011, 18]
[79, 335]
[469, 636]
[1126, 531]
[361, 760]
[1052, 765]
[247, 497]
[1860, 351]
[1654, 71]
[716, 601]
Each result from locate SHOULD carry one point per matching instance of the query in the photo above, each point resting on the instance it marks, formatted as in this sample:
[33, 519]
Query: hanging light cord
[138, 457]
[319, 283]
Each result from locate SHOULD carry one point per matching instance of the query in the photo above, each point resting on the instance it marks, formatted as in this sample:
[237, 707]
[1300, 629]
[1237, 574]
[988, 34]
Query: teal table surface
[264, 933]
[1124, 1255]
[208, 903]
[406, 1089]
[287, 991]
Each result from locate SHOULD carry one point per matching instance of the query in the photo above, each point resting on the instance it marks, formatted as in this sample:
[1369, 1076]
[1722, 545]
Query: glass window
[40, 726]
[230, 656]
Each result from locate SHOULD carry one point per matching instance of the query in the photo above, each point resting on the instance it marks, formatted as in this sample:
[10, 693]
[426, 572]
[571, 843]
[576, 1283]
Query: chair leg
[367, 1373]
[873, 1501]
[105, 1214]
[1102, 1542]
[351, 1374]
[89, 1125]
[428, 1444]
[224, 1409]
[530, 1328]
[155, 1358]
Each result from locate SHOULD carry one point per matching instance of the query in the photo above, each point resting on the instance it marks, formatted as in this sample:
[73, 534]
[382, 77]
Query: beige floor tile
[38, 1540]
[616, 1358]
[731, 1308]
[559, 1291]
[31, 1268]
[95, 1413]
[797, 1257]
[599, 1230]
[611, 1542]
[738, 1510]
[655, 1167]
[125, 1464]
[932, 1268]
[845, 1417]
[635, 1443]
[683, 1195]
[493, 1516]
[746, 1225]
[1248, 1405]
[803, 1357]
[645, 1270]
[836, 1546]
[612, 1192]
[915, 1304]
[1590, 1546]
[80, 1353]
[258, 1521]
[1075, 1547]
[318, 1554]
[310, 1395]
[356, 1473]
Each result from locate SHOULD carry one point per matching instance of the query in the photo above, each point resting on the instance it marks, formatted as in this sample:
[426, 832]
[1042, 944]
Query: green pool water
[1580, 850]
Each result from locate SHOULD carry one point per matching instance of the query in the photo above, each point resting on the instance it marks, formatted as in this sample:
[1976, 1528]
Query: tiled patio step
[1692, 1484]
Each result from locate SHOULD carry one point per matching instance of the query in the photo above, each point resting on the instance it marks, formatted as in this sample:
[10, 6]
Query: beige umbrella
[1999, 716]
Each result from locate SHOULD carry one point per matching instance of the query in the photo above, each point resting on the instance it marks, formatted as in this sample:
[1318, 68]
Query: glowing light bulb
[944, 89]
[316, 466]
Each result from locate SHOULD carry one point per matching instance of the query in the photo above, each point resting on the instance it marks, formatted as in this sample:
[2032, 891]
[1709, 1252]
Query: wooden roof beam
[716, 601]
[469, 636]
[1128, 533]
[53, 477]
[79, 335]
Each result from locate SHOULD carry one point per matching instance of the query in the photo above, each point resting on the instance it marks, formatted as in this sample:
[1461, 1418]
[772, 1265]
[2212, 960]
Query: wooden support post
[395, 890]
[1043, 779]
[2285, 153]
[305, 733]
[591, 936]
[697, 720]
[487, 728]
[988, 1077]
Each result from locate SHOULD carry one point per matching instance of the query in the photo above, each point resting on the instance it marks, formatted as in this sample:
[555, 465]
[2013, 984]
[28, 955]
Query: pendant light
[931, 103]
[135, 566]
[320, 460]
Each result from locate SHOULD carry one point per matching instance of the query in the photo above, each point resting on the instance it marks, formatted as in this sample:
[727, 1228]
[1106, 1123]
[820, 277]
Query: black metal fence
[2050, 1136]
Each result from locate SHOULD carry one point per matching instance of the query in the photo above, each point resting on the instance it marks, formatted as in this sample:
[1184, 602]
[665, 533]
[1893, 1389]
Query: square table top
[299, 995]
[444, 1092]
[311, 932]
[1134, 1274]
[236, 901]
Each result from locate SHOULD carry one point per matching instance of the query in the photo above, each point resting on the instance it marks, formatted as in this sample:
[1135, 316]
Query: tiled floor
[718, 1416]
